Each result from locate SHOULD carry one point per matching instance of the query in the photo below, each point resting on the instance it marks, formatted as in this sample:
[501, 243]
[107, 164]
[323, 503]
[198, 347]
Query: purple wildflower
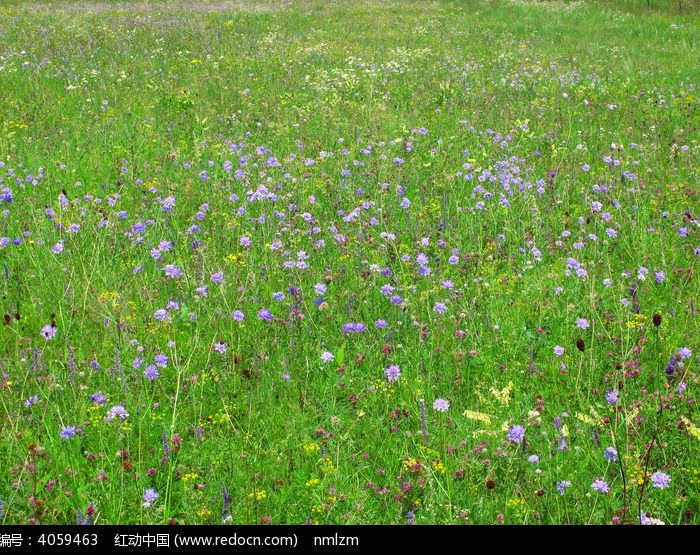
[516, 433]
[238, 316]
[160, 314]
[354, 327]
[264, 314]
[392, 373]
[151, 372]
[660, 480]
[441, 405]
[172, 271]
[612, 397]
[610, 454]
[600, 485]
[68, 432]
[48, 331]
[149, 496]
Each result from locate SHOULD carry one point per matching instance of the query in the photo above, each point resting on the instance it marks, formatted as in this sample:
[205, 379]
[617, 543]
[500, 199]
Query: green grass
[509, 188]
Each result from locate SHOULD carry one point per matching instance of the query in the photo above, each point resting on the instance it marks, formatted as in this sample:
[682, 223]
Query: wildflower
[558, 350]
[533, 459]
[440, 308]
[392, 373]
[600, 485]
[516, 433]
[685, 353]
[48, 331]
[220, 347]
[68, 432]
[563, 485]
[320, 288]
[612, 397]
[660, 480]
[646, 520]
[149, 496]
[117, 410]
[279, 296]
[31, 401]
[172, 271]
[161, 360]
[354, 327]
[238, 316]
[168, 204]
[327, 356]
[98, 398]
[264, 314]
[58, 247]
[217, 277]
[441, 405]
[580, 345]
[161, 314]
[381, 324]
[151, 372]
[656, 319]
[583, 323]
[610, 454]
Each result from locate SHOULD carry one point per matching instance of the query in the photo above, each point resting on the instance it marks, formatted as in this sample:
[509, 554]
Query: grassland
[349, 262]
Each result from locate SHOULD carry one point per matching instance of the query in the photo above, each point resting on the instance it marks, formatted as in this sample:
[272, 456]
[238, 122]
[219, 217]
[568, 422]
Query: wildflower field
[349, 262]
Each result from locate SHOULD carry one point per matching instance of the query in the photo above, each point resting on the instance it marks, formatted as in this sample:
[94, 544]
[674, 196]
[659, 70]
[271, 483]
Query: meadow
[349, 262]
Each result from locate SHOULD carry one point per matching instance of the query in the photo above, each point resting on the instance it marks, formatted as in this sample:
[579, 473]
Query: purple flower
[278, 296]
[600, 485]
[441, 405]
[161, 360]
[264, 314]
[392, 373]
[327, 356]
[31, 401]
[116, 411]
[320, 288]
[563, 485]
[220, 347]
[238, 316]
[151, 372]
[48, 331]
[660, 480]
[516, 433]
[381, 324]
[612, 397]
[149, 496]
[68, 432]
[440, 308]
[58, 247]
[583, 323]
[98, 398]
[217, 277]
[160, 314]
[685, 353]
[168, 204]
[354, 327]
[6, 196]
[558, 350]
[172, 271]
[610, 454]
